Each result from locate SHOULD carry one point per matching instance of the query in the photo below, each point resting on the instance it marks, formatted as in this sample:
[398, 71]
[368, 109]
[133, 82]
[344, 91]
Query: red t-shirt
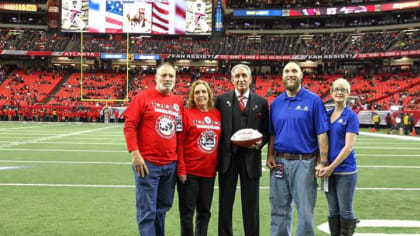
[199, 143]
[151, 126]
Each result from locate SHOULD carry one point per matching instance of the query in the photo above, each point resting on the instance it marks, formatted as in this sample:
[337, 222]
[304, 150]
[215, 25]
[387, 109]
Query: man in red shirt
[116, 116]
[152, 123]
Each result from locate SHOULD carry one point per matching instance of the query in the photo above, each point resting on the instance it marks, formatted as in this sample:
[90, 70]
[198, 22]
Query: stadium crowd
[374, 91]
[232, 44]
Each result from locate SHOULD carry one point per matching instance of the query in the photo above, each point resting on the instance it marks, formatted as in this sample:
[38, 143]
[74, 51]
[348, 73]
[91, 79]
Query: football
[246, 137]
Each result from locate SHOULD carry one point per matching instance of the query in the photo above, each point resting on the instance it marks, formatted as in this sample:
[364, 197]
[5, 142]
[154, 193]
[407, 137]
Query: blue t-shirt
[348, 122]
[295, 122]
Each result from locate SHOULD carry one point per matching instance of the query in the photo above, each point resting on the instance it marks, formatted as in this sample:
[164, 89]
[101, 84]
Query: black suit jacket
[257, 119]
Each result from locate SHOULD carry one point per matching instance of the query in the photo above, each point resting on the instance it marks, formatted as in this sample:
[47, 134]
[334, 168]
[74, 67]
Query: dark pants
[249, 197]
[195, 194]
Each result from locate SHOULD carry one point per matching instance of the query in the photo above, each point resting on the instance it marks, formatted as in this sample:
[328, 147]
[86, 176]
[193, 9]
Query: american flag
[105, 16]
[114, 16]
[164, 16]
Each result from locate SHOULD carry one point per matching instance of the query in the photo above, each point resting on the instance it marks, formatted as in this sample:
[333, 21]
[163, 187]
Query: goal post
[81, 75]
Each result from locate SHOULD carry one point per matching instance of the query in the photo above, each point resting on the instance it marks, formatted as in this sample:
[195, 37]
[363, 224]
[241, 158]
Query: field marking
[12, 167]
[66, 138]
[91, 150]
[390, 136]
[69, 162]
[387, 155]
[55, 131]
[78, 143]
[132, 186]
[32, 126]
[57, 150]
[52, 137]
[379, 224]
[387, 148]
[80, 133]
[129, 163]
[397, 167]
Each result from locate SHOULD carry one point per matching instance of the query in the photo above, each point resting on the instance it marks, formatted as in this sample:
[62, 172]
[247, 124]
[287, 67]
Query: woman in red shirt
[197, 159]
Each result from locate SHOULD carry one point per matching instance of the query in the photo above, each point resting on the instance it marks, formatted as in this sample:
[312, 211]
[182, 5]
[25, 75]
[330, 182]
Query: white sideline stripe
[66, 138]
[387, 155]
[56, 150]
[68, 185]
[53, 137]
[132, 186]
[387, 148]
[390, 136]
[55, 131]
[115, 144]
[68, 162]
[80, 133]
[129, 163]
[32, 126]
[379, 224]
[91, 150]
[397, 167]
[123, 144]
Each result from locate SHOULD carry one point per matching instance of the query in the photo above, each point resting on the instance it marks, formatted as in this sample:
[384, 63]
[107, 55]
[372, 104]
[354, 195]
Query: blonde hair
[190, 101]
[341, 81]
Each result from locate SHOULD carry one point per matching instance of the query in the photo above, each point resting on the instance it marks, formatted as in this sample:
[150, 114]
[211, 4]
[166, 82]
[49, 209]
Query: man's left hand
[257, 145]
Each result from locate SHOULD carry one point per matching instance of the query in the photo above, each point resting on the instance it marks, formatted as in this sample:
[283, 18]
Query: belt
[294, 156]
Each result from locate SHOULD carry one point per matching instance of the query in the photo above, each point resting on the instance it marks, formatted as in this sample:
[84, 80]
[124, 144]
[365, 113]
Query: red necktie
[241, 103]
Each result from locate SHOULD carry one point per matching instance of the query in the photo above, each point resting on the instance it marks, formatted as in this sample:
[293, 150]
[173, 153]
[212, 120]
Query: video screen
[164, 17]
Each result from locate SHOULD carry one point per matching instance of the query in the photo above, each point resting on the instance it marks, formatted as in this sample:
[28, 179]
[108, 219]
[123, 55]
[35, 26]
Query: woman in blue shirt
[342, 170]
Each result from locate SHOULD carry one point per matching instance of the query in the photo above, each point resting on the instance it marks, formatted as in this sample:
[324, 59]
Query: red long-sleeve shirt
[151, 126]
[199, 142]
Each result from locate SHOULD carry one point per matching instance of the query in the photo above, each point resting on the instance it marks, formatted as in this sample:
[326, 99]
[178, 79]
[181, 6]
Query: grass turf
[94, 192]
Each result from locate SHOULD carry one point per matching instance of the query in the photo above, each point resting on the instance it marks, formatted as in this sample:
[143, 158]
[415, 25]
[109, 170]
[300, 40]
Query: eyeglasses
[341, 90]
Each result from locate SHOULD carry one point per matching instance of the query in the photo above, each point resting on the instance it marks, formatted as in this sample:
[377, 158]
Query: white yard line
[387, 155]
[129, 163]
[69, 162]
[396, 167]
[11, 144]
[78, 143]
[32, 126]
[387, 148]
[390, 136]
[388, 142]
[66, 138]
[132, 186]
[55, 131]
[77, 133]
[57, 150]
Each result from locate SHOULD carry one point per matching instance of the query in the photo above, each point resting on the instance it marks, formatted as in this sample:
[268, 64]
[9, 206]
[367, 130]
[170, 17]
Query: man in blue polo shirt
[297, 150]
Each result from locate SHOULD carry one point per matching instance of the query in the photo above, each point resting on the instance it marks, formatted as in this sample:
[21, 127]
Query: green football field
[76, 179]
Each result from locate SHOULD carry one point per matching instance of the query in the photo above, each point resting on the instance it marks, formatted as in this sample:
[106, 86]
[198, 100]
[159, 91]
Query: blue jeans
[298, 184]
[154, 197]
[340, 195]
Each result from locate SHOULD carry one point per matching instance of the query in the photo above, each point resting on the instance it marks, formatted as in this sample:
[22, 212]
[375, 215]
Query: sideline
[379, 223]
[11, 144]
[132, 186]
[390, 136]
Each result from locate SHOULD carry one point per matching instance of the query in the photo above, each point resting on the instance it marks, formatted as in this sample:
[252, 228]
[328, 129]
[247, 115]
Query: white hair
[248, 70]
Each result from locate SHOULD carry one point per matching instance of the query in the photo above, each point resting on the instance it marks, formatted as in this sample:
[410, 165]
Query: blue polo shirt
[348, 122]
[295, 122]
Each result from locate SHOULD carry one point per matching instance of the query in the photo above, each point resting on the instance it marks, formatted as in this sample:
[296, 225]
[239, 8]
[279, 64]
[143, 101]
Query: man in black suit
[240, 109]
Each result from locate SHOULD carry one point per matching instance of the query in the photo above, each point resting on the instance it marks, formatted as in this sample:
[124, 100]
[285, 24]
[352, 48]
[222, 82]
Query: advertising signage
[328, 11]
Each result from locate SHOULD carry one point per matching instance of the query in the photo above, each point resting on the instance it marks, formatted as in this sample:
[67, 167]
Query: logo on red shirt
[207, 141]
[165, 126]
